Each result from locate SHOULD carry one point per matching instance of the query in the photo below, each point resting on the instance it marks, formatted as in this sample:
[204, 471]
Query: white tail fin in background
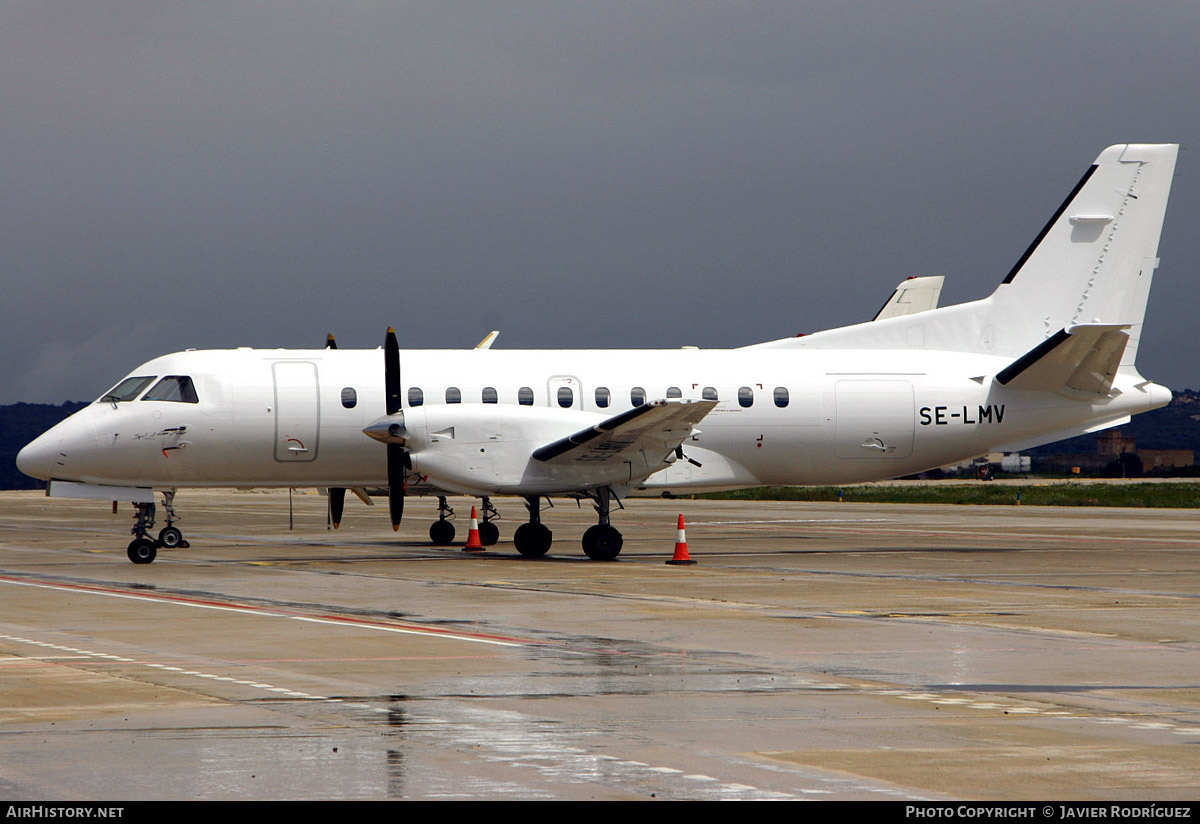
[911, 296]
[1091, 265]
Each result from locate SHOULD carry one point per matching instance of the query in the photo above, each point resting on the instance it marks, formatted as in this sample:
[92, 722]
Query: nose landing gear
[143, 549]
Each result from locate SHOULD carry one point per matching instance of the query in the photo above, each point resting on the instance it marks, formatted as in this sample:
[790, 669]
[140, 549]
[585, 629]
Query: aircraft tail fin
[1090, 266]
[1094, 261]
[911, 296]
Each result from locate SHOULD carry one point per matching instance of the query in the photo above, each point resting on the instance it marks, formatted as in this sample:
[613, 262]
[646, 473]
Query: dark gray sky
[574, 174]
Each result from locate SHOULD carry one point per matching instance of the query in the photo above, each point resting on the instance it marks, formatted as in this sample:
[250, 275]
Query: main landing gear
[533, 539]
[489, 533]
[143, 549]
[603, 542]
[441, 531]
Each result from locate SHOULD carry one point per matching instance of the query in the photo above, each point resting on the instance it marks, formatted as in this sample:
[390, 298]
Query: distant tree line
[20, 423]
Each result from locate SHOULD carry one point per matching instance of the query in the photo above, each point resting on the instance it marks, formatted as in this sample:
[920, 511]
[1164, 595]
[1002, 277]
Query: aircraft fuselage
[278, 418]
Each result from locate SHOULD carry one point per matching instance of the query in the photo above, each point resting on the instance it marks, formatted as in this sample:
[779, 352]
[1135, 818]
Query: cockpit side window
[127, 389]
[177, 388]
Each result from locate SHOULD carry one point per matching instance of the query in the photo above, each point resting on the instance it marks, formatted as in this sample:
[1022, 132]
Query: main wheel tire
[602, 542]
[441, 533]
[170, 538]
[533, 540]
[142, 550]
[489, 533]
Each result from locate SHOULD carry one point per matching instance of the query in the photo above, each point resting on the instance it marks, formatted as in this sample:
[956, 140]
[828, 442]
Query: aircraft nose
[37, 459]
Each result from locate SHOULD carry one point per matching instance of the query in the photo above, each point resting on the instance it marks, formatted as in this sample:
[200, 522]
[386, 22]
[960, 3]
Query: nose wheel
[171, 538]
[142, 550]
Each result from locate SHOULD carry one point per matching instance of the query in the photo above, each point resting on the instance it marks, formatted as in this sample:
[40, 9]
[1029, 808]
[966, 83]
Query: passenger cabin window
[525, 396]
[673, 392]
[566, 397]
[349, 397]
[781, 396]
[637, 396]
[489, 394]
[415, 396]
[453, 395]
[175, 388]
[126, 390]
[709, 393]
[602, 397]
[746, 397]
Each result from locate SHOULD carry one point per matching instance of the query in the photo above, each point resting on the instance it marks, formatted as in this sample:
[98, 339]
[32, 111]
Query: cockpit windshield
[177, 388]
[126, 390]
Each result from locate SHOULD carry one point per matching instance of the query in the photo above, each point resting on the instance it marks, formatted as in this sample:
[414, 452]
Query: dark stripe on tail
[1046, 229]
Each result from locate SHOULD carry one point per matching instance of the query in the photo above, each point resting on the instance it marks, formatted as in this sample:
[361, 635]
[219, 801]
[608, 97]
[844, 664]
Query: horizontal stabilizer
[659, 426]
[1079, 362]
[912, 296]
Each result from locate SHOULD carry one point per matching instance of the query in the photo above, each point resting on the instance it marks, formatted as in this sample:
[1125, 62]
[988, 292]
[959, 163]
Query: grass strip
[1164, 495]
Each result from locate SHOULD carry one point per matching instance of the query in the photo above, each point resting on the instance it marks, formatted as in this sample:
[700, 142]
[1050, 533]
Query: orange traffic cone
[681, 554]
[473, 542]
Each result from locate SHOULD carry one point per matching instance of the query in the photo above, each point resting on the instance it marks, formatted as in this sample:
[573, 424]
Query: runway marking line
[164, 667]
[228, 606]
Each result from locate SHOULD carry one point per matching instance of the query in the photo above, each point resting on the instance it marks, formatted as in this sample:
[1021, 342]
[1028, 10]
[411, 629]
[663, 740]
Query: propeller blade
[337, 502]
[397, 469]
[391, 372]
[337, 496]
[398, 462]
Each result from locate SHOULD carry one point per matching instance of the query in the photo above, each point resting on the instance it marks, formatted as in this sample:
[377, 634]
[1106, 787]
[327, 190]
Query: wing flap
[660, 425]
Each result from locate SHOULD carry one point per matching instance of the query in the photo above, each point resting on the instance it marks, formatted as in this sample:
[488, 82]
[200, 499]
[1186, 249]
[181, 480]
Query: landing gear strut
[489, 533]
[143, 549]
[170, 537]
[533, 539]
[603, 542]
[441, 531]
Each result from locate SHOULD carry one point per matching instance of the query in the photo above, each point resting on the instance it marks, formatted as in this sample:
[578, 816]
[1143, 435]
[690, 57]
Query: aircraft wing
[1079, 362]
[658, 426]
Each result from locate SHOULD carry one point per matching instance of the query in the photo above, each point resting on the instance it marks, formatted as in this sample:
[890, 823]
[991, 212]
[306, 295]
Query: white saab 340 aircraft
[1048, 355]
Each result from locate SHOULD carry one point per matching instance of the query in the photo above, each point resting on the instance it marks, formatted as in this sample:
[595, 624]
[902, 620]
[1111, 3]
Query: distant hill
[20, 423]
[1175, 426]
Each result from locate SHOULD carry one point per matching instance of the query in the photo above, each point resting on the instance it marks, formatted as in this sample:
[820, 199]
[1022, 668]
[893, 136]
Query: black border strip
[1046, 229]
